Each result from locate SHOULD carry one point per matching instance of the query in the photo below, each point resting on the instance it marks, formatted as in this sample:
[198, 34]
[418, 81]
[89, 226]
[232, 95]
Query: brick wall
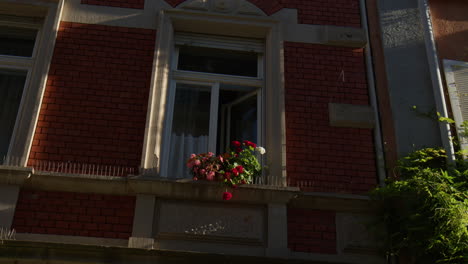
[94, 106]
[317, 12]
[326, 12]
[322, 158]
[311, 231]
[74, 214]
[137, 4]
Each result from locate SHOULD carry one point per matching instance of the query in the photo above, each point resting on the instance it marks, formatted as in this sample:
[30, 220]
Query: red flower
[227, 175]
[195, 178]
[238, 150]
[243, 182]
[235, 171]
[249, 144]
[240, 169]
[236, 143]
[227, 196]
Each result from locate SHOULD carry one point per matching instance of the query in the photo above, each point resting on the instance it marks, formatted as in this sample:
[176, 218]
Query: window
[28, 31]
[248, 34]
[456, 75]
[214, 97]
[18, 39]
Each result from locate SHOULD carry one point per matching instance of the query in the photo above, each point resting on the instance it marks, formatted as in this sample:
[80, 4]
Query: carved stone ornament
[232, 7]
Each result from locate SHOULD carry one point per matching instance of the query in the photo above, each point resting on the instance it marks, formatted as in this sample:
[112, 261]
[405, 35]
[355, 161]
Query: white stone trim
[9, 197]
[144, 216]
[259, 27]
[96, 241]
[74, 11]
[277, 243]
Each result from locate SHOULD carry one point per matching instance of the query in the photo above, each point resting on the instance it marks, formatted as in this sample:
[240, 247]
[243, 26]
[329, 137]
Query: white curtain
[189, 129]
[182, 146]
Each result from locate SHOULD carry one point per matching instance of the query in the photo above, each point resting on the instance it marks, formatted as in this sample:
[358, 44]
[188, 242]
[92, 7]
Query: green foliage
[426, 208]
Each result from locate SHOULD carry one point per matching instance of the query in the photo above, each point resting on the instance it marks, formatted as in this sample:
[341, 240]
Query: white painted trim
[216, 78]
[72, 240]
[436, 78]
[212, 138]
[454, 98]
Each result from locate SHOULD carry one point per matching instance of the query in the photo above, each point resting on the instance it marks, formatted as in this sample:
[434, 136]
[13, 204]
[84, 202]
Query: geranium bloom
[236, 143]
[240, 169]
[210, 175]
[227, 196]
[260, 150]
[250, 144]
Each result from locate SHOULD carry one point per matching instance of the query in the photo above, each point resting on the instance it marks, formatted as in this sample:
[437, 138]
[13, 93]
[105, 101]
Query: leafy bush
[425, 209]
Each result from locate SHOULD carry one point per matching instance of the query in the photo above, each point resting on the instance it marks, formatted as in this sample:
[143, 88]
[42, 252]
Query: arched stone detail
[241, 7]
[232, 7]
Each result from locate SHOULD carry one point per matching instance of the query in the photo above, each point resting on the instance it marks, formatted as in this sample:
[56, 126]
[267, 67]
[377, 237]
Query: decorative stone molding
[348, 115]
[232, 7]
[211, 222]
[358, 234]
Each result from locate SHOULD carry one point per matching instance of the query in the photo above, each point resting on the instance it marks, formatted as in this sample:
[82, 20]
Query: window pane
[238, 115]
[17, 41]
[219, 61]
[190, 126]
[11, 89]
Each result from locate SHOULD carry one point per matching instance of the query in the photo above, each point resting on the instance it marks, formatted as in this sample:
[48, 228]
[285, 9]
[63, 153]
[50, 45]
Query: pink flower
[227, 196]
[190, 164]
[236, 143]
[195, 178]
[210, 175]
[210, 154]
[197, 162]
[193, 156]
[202, 171]
[221, 158]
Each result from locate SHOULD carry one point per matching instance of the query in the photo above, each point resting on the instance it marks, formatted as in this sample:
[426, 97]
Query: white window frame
[273, 121]
[454, 95]
[37, 66]
[10, 62]
[213, 81]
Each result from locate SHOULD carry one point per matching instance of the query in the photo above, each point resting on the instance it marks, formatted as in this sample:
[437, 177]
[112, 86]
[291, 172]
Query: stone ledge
[14, 175]
[133, 185]
[334, 202]
[40, 252]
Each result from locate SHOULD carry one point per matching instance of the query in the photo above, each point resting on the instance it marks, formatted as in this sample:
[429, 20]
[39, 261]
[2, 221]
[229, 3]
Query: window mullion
[213, 117]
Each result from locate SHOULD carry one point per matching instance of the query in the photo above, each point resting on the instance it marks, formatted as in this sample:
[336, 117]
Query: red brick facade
[318, 12]
[311, 231]
[94, 107]
[137, 4]
[74, 214]
[322, 158]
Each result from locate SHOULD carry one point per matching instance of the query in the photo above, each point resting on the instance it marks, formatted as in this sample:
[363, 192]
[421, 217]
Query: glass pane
[11, 89]
[190, 126]
[238, 115]
[219, 61]
[17, 41]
